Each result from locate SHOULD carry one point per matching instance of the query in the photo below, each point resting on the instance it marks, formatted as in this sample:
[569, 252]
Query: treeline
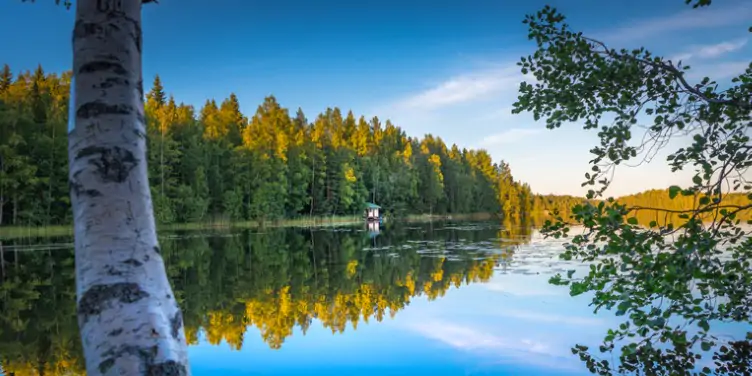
[655, 205]
[275, 281]
[220, 163]
[645, 203]
[548, 206]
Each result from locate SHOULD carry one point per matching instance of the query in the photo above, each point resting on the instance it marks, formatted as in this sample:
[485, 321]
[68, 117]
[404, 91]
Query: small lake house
[373, 212]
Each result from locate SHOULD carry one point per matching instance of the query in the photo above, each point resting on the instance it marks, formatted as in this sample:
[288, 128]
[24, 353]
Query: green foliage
[218, 164]
[687, 271]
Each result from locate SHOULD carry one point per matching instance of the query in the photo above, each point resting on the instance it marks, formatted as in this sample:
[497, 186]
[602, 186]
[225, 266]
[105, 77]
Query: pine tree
[6, 78]
[156, 97]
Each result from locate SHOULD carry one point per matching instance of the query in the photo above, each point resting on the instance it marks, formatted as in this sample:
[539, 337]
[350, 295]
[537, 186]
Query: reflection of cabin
[373, 228]
[373, 212]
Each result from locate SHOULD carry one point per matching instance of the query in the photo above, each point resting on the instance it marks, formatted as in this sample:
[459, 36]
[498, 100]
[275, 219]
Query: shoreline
[15, 232]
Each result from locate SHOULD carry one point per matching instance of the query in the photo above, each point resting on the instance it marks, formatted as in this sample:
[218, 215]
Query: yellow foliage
[350, 174]
[352, 268]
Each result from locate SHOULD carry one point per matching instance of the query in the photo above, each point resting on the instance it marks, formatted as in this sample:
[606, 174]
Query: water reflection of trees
[275, 281]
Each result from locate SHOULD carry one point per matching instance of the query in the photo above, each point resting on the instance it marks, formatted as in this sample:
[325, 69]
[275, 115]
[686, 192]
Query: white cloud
[467, 338]
[721, 48]
[499, 349]
[467, 87]
[509, 136]
[690, 19]
[711, 50]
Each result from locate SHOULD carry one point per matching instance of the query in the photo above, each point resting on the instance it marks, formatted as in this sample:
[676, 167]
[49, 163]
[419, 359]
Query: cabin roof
[370, 205]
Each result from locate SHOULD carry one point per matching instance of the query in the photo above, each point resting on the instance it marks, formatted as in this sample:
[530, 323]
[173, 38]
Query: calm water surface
[440, 299]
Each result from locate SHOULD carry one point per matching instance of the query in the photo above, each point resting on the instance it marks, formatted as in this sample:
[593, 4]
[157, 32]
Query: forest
[275, 281]
[217, 163]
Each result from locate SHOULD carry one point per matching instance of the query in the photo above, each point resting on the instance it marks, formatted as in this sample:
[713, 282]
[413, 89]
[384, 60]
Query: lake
[432, 298]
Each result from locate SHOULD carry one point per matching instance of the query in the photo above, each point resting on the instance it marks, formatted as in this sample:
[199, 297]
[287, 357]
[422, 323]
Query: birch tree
[129, 319]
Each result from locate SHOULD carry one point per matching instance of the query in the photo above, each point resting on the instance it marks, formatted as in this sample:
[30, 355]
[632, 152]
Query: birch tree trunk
[129, 319]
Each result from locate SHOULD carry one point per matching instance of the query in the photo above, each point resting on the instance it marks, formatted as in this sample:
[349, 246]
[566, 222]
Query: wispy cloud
[466, 338]
[712, 50]
[509, 136]
[690, 19]
[467, 87]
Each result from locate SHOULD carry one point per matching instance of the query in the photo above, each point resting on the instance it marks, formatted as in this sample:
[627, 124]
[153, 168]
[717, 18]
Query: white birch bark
[129, 319]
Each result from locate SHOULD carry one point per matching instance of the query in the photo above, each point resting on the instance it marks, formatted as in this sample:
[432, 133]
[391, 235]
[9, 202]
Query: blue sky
[444, 67]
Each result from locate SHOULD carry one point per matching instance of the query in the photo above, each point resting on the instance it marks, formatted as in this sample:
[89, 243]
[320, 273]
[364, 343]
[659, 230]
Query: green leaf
[706, 346]
[673, 191]
[658, 322]
[704, 325]
[697, 179]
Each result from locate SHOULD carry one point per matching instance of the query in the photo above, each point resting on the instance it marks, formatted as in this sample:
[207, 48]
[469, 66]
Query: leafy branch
[698, 271]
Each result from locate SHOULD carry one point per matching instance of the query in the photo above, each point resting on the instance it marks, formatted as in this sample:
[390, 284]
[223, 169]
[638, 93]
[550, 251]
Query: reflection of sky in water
[516, 324]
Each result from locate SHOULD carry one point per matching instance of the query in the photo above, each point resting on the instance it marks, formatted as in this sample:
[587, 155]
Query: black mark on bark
[139, 133]
[114, 81]
[97, 108]
[168, 368]
[132, 262]
[84, 29]
[147, 357]
[78, 189]
[140, 86]
[138, 328]
[99, 66]
[106, 6]
[176, 322]
[89, 151]
[111, 270]
[113, 165]
[115, 332]
[157, 250]
[141, 118]
[105, 365]
[99, 297]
